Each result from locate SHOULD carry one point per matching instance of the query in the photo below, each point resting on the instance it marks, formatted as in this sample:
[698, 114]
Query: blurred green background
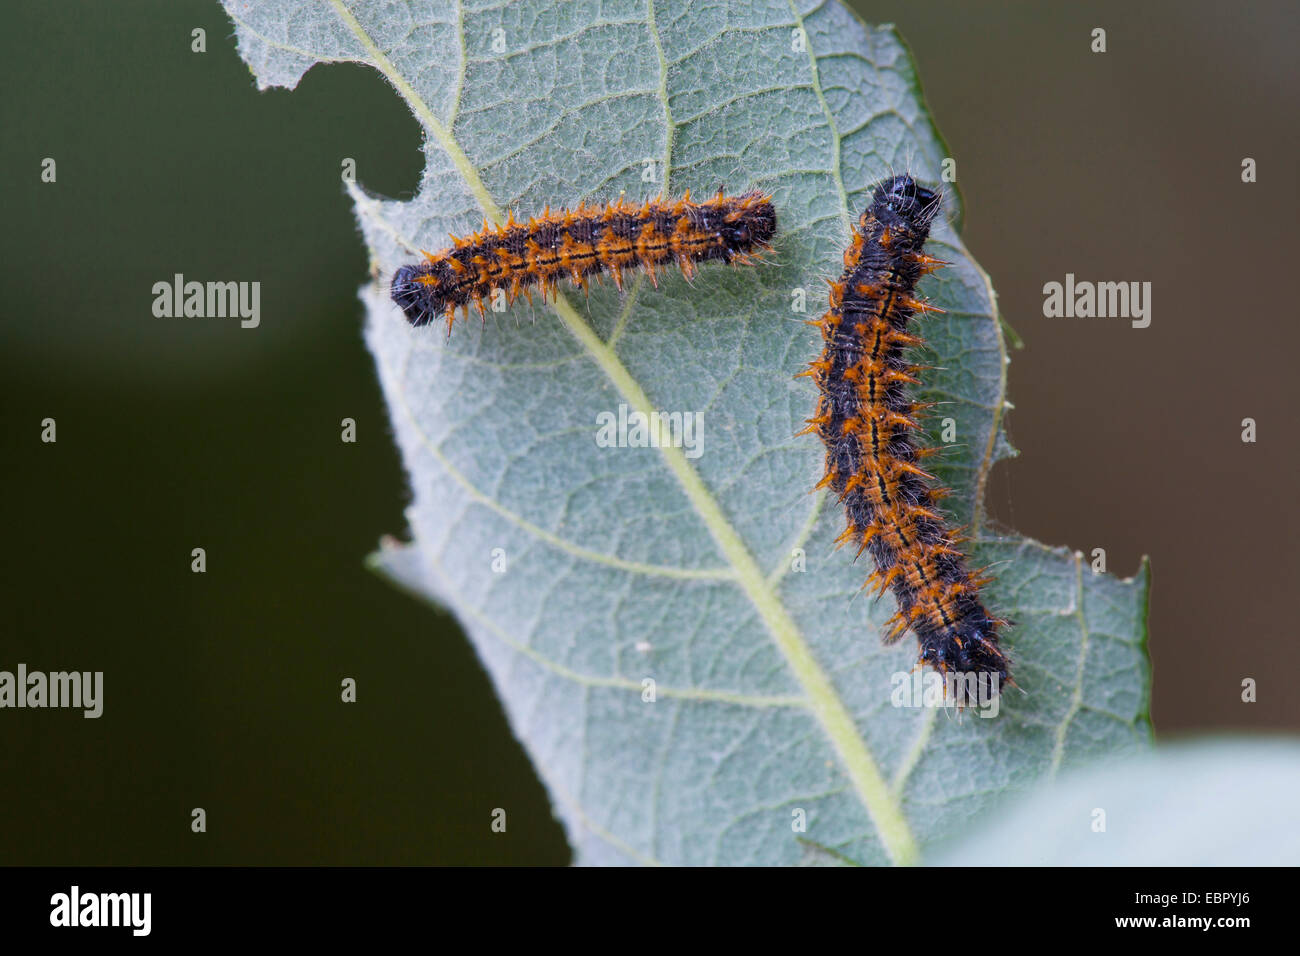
[222, 689]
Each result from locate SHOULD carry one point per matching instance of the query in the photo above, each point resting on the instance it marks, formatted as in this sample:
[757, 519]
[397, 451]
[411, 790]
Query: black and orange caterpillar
[578, 244]
[867, 420]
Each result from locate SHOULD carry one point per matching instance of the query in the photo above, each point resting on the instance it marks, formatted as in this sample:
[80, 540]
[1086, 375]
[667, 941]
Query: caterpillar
[576, 245]
[867, 420]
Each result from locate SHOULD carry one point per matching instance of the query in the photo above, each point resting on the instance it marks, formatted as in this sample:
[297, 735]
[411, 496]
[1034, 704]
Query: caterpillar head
[417, 293]
[752, 223]
[906, 199]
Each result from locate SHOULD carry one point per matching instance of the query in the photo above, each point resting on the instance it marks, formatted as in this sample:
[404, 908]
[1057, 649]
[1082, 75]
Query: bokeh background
[222, 689]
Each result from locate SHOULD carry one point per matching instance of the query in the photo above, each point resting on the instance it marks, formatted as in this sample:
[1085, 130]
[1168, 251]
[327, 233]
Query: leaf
[1217, 802]
[628, 564]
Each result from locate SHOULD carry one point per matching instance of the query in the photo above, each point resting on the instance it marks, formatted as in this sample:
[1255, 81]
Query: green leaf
[1219, 802]
[628, 564]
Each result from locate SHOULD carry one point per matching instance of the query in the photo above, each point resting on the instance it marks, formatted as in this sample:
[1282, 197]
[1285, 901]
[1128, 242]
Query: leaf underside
[625, 564]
